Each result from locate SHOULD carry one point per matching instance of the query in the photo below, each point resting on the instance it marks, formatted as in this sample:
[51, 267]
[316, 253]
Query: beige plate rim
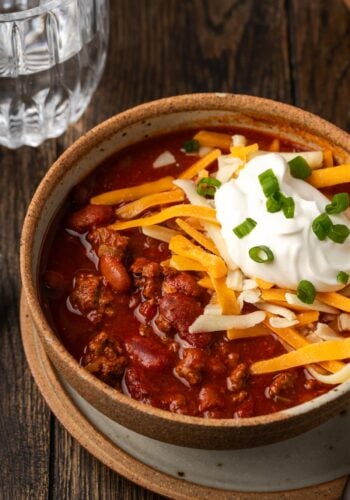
[121, 462]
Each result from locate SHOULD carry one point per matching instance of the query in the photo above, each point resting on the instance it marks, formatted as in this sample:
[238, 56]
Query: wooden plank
[319, 32]
[24, 417]
[78, 475]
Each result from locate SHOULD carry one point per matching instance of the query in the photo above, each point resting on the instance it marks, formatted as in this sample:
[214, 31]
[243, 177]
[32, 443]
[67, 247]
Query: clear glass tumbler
[52, 55]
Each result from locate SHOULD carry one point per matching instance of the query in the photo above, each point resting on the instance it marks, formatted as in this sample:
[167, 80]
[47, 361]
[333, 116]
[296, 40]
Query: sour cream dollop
[298, 253]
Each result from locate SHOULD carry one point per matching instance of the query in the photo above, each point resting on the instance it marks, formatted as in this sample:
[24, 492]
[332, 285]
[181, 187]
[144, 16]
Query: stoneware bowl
[131, 126]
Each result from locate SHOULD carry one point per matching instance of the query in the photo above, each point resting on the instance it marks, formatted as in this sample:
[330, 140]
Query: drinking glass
[52, 55]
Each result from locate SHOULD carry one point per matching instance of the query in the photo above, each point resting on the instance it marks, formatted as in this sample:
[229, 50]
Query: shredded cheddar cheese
[133, 193]
[200, 164]
[197, 236]
[243, 152]
[255, 331]
[275, 146]
[214, 265]
[297, 341]
[263, 285]
[213, 139]
[331, 176]
[205, 213]
[313, 353]
[226, 297]
[305, 318]
[274, 294]
[335, 300]
[181, 263]
[206, 282]
[152, 200]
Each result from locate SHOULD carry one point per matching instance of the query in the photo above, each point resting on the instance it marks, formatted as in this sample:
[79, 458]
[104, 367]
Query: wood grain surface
[296, 51]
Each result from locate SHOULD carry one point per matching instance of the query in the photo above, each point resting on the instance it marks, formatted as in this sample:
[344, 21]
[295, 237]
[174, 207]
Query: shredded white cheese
[215, 323]
[164, 160]
[239, 140]
[159, 232]
[335, 378]
[279, 310]
[277, 322]
[314, 158]
[344, 322]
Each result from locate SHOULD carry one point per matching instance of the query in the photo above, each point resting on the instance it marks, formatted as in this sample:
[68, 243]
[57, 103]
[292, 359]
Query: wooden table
[296, 51]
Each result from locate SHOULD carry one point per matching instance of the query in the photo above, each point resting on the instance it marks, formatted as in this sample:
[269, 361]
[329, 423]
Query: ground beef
[280, 383]
[105, 358]
[108, 242]
[238, 377]
[209, 398]
[192, 365]
[91, 297]
[148, 277]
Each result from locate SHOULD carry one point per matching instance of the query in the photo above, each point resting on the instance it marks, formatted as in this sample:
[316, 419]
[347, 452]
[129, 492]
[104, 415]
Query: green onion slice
[269, 182]
[261, 254]
[306, 292]
[342, 277]
[207, 186]
[191, 146]
[245, 228]
[321, 226]
[340, 202]
[274, 202]
[338, 233]
[299, 167]
[288, 207]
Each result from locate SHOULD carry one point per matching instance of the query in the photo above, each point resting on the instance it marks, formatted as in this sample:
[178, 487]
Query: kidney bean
[89, 216]
[209, 398]
[135, 385]
[114, 271]
[180, 310]
[181, 283]
[148, 309]
[147, 353]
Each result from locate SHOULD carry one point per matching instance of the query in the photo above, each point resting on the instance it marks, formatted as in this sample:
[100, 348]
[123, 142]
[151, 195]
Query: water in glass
[52, 55]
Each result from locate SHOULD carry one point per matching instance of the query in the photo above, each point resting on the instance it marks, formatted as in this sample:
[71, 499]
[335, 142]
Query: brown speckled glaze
[150, 119]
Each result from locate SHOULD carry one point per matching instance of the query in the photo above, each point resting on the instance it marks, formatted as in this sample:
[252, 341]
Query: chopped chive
[269, 182]
[274, 202]
[288, 207]
[261, 254]
[245, 228]
[342, 277]
[299, 167]
[338, 233]
[191, 146]
[321, 226]
[306, 292]
[340, 202]
[207, 186]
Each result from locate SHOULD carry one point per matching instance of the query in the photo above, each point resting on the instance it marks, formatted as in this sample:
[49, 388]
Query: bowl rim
[221, 102]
